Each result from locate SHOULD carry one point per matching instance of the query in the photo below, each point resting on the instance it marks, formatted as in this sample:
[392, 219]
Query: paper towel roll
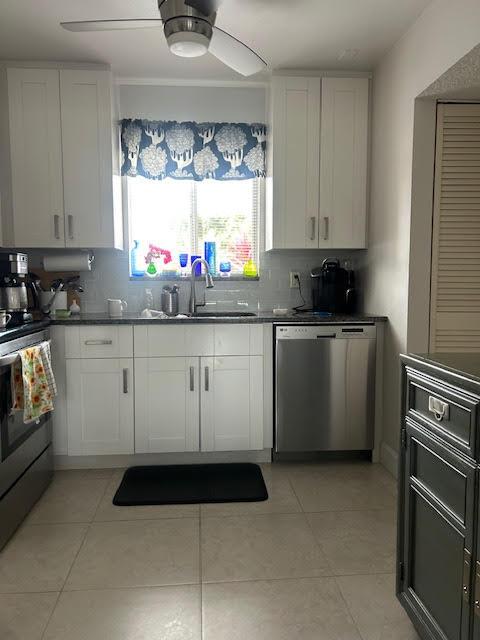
[78, 261]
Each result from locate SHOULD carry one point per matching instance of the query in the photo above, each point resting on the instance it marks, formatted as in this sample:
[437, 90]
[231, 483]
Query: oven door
[13, 431]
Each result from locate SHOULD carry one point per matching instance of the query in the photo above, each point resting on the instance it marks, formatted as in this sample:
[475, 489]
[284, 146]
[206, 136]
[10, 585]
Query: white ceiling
[289, 34]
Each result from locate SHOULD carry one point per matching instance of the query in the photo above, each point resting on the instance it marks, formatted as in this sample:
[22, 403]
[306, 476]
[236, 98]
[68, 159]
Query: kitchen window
[178, 216]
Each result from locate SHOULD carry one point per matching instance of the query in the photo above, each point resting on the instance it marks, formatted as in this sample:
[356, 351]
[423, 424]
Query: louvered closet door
[455, 291]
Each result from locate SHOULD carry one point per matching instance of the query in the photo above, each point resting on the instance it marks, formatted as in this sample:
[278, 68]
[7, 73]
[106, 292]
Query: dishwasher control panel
[324, 331]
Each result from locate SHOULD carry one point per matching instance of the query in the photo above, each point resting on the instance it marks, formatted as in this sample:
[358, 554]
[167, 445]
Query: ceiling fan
[189, 27]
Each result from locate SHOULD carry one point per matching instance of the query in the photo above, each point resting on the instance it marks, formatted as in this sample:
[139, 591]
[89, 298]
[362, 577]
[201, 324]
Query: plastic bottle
[74, 308]
[250, 269]
[137, 260]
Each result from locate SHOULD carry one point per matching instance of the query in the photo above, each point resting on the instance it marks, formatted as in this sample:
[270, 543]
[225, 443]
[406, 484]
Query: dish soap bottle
[74, 308]
[137, 261]
[250, 269]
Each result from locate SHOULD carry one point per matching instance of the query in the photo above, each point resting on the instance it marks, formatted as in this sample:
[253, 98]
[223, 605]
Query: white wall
[198, 103]
[444, 32]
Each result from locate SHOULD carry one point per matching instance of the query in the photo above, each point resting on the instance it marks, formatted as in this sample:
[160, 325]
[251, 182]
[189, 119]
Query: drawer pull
[192, 378]
[207, 379]
[439, 408]
[466, 575]
[98, 342]
[125, 381]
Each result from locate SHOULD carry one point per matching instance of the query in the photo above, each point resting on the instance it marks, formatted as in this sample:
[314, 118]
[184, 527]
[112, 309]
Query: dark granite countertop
[261, 317]
[465, 365]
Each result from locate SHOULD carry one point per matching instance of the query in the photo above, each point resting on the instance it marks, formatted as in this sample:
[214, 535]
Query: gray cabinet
[438, 503]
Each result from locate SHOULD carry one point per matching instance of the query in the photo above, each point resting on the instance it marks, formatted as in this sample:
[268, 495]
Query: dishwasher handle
[326, 335]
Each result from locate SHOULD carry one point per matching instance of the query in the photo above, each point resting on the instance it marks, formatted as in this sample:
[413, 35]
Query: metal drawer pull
[125, 381]
[439, 408]
[207, 379]
[326, 224]
[70, 226]
[98, 342]
[56, 226]
[192, 378]
[313, 222]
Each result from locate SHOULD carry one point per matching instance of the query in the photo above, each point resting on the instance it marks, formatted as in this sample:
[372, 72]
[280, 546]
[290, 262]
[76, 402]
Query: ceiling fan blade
[111, 25]
[205, 7]
[235, 54]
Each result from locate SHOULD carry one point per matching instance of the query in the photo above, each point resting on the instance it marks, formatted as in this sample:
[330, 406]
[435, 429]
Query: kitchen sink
[223, 314]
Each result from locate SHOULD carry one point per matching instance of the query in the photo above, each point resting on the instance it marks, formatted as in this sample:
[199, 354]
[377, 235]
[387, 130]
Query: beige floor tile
[281, 498]
[356, 541]
[260, 547]
[166, 613]
[140, 553]
[38, 558]
[343, 486]
[24, 616]
[71, 497]
[375, 609]
[98, 474]
[108, 512]
[308, 609]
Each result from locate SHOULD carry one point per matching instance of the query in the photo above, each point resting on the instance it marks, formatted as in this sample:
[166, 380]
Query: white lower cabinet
[192, 404]
[166, 405]
[100, 406]
[231, 403]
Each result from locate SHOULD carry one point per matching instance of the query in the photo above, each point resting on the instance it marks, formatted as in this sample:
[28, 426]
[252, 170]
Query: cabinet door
[100, 406]
[36, 157]
[436, 535]
[343, 163]
[231, 403]
[87, 158]
[166, 405]
[295, 165]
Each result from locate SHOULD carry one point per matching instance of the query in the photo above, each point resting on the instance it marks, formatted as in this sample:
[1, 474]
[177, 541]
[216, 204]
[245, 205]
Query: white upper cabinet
[65, 182]
[36, 157]
[317, 164]
[294, 156]
[343, 163]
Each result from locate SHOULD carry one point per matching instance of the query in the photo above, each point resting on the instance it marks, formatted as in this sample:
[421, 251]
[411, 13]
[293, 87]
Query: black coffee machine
[333, 288]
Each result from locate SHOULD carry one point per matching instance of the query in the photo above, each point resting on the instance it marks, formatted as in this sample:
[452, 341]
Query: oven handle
[10, 358]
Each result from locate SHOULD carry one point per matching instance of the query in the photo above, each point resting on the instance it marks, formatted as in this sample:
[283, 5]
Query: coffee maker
[13, 288]
[333, 288]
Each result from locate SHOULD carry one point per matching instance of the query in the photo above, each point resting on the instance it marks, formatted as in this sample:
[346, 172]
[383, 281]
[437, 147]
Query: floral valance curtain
[193, 151]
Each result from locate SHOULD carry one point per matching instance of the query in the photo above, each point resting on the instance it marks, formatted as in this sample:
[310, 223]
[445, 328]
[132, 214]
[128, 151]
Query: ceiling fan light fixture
[188, 44]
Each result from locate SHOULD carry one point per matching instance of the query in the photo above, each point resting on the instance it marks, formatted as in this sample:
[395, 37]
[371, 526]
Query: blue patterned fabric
[193, 151]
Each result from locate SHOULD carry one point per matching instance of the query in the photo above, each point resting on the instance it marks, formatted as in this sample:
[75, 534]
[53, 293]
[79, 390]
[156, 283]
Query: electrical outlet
[293, 279]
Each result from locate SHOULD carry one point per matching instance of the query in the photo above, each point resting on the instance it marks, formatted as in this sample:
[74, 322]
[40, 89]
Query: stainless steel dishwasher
[324, 387]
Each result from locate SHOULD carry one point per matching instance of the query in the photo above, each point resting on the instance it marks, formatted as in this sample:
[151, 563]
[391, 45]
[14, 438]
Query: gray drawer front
[436, 470]
[449, 412]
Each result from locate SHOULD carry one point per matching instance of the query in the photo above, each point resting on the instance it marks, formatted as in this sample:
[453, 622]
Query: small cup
[4, 319]
[116, 308]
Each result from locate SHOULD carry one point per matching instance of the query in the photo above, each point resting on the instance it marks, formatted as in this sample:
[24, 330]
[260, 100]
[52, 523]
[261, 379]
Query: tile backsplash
[109, 278]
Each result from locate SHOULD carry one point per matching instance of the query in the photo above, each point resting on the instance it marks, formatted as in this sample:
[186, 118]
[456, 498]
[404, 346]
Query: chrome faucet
[192, 305]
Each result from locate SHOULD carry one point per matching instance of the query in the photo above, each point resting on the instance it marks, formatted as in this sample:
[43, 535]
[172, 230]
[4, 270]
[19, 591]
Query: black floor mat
[191, 484]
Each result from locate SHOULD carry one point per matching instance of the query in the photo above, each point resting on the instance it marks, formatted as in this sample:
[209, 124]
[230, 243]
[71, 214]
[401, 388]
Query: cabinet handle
[98, 342]
[466, 575]
[70, 226]
[439, 408]
[192, 378]
[125, 381]
[56, 226]
[326, 224]
[313, 223]
[207, 379]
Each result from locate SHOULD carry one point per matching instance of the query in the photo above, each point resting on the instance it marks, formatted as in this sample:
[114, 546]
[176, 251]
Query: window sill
[176, 278]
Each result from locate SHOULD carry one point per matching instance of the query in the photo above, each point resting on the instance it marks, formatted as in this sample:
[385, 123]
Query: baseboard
[120, 461]
[389, 459]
